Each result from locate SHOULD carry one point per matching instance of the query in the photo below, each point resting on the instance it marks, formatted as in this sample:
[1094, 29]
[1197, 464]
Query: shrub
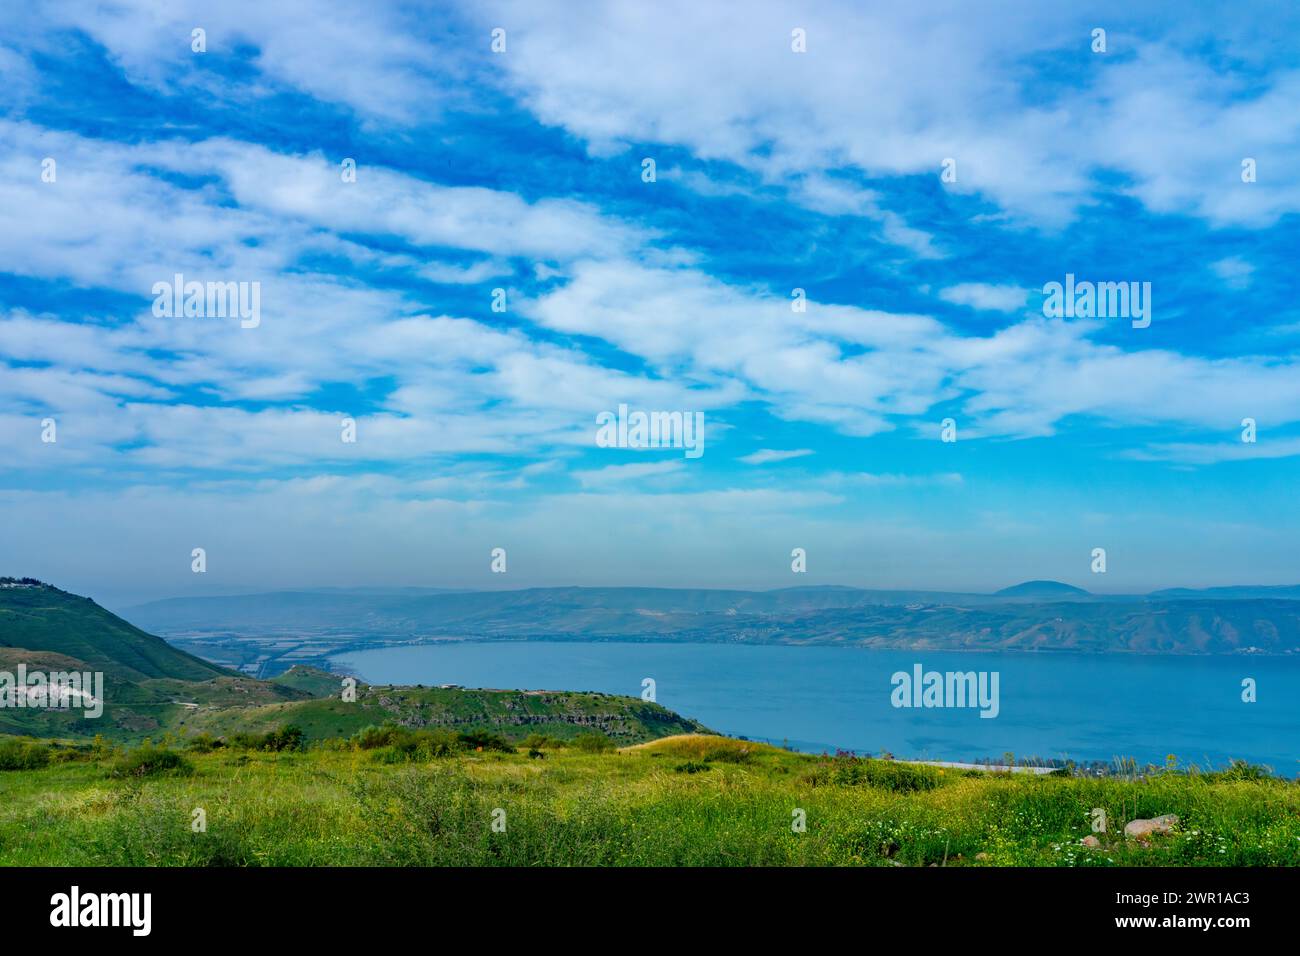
[284, 739]
[204, 743]
[404, 745]
[274, 741]
[847, 770]
[60, 753]
[692, 766]
[728, 755]
[148, 760]
[1241, 770]
[372, 738]
[23, 755]
[593, 742]
[486, 740]
[442, 742]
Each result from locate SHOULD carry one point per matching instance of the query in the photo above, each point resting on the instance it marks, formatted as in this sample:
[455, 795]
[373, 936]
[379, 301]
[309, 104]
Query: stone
[1145, 829]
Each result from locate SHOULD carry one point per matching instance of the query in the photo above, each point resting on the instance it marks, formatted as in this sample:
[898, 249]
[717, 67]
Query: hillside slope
[512, 713]
[43, 618]
[152, 689]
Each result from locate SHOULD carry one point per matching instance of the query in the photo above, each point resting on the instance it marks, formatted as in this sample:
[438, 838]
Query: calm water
[1076, 706]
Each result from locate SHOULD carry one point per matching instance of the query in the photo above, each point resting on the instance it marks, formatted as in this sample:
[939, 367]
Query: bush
[847, 770]
[273, 741]
[372, 738]
[442, 742]
[204, 743]
[148, 760]
[692, 766]
[401, 745]
[1241, 770]
[486, 740]
[23, 755]
[541, 742]
[69, 753]
[593, 742]
[286, 738]
[728, 755]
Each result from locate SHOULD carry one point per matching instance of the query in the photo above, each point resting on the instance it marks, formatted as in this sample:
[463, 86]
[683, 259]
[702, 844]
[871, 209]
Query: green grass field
[697, 800]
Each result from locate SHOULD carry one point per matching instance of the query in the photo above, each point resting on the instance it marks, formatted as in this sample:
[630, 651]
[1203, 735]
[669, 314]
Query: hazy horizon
[119, 602]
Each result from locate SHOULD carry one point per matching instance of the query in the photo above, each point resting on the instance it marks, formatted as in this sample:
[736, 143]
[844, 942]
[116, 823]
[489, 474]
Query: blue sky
[522, 170]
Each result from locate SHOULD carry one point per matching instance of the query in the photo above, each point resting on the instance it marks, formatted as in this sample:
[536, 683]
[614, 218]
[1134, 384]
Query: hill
[1247, 592]
[514, 714]
[1045, 590]
[39, 617]
[153, 689]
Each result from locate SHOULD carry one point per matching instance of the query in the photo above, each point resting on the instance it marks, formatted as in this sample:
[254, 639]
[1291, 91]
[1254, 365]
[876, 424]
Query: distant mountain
[398, 614]
[1247, 592]
[1046, 590]
[265, 633]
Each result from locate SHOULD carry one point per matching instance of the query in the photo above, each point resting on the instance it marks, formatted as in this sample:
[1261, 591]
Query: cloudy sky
[920, 172]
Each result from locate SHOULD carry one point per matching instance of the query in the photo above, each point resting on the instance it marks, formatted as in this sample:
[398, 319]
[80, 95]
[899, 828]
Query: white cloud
[766, 455]
[1234, 271]
[857, 369]
[487, 389]
[885, 90]
[985, 297]
[839, 479]
[617, 475]
[380, 65]
[895, 90]
[1208, 453]
[310, 189]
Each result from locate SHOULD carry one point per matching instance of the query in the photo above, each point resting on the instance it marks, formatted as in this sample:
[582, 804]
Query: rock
[1143, 829]
[1090, 841]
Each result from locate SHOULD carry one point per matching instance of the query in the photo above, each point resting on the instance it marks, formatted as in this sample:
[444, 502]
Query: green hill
[43, 618]
[514, 714]
[152, 689]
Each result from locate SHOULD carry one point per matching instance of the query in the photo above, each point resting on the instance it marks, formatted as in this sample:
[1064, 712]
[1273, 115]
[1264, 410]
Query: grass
[345, 805]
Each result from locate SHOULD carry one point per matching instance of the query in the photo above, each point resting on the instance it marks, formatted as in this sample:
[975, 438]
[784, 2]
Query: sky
[474, 228]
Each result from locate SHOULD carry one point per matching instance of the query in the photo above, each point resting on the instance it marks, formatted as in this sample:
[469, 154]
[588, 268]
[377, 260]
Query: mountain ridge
[1034, 615]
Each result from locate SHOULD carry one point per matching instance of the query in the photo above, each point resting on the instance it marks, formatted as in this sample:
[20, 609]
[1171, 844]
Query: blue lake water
[1084, 707]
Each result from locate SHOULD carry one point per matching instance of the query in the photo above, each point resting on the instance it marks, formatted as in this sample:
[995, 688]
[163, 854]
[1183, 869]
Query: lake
[1083, 707]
